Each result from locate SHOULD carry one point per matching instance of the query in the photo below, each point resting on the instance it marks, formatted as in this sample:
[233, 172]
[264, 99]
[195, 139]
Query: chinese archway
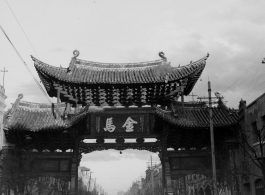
[102, 101]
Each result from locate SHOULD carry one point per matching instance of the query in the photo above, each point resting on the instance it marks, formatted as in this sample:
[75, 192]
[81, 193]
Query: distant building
[2, 106]
[88, 185]
[84, 178]
[252, 123]
[150, 185]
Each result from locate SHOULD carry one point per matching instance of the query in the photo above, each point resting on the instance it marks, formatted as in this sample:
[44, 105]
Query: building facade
[151, 184]
[2, 106]
[250, 156]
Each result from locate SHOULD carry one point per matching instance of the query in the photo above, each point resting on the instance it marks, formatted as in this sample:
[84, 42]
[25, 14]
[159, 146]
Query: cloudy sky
[232, 31]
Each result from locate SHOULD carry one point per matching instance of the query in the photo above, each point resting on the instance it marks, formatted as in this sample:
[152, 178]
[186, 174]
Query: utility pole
[212, 135]
[212, 138]
[90, 180]
[192, 96]
[4, 71]
[152, 176]
[95, 186]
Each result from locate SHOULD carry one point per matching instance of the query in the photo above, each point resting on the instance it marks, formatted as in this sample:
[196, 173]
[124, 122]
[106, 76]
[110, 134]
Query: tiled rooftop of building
[81, 71]
[26, 116]
[198, 117]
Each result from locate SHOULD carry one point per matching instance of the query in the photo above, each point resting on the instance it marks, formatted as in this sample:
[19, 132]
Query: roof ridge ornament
[76, 53]
[72, 63]
[162, 55]
[14, 106]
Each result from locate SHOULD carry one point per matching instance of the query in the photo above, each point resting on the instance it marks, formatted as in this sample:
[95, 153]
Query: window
[259, 186]
[263, 122]
[254, 132]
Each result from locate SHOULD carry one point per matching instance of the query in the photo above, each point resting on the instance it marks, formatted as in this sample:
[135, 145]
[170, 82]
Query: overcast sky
[232, 31]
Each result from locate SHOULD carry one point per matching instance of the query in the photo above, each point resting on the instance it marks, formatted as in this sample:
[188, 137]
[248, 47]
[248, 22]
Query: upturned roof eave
[43, 70]
[176, 122]
[25, 114]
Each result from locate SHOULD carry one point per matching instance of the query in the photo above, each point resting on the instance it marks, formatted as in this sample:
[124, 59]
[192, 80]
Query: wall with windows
[252, 124]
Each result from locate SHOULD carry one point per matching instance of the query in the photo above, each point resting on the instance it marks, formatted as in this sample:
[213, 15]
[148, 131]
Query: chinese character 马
[129, 124]
[109, 125]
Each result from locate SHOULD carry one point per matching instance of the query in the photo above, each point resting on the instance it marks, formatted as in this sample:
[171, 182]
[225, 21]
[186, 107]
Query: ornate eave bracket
[91, 147]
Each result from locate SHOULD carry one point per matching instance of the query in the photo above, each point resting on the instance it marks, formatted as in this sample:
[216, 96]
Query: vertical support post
[212, 139]
[58, 98]
[4, 71]
[77, 164]
[76, 107]
[163, 166]
[182, 95]
[152, 177]
[90, 180]
[182, 98]
[184, 185]
[182, 92]
[167, 185]
[74, 170]
[67, 110]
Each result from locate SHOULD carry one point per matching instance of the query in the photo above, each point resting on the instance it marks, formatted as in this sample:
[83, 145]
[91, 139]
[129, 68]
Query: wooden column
[57, 112]
[169, 187]
[184, 184]
[74, 171]
[67, 109]
[58, 98]
[167, 184]
[77, 165]
[163, 165]
[182, 98]
[76, 107]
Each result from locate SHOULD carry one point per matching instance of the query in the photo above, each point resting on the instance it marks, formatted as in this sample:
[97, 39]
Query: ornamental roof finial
[14, 106]
[76, 53]
[162, 55]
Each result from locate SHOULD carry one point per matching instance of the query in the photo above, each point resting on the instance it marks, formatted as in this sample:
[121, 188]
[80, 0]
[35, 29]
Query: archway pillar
[74, 177]
[167, 182]
[74, 171]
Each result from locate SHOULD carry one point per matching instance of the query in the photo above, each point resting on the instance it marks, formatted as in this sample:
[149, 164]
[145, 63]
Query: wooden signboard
[52, 165]
[55, 164]
[186, 162]
[125, 122]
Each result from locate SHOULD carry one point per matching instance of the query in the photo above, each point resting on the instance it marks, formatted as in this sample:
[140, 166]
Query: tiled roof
[197, 117]
[86, 72]
[35, 117]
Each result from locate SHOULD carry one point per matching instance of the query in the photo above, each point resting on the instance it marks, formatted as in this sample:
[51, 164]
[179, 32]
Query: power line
[252, 83]
[249, 55]
[38, 84]
[237, 82]
[21, 28]
[255, 75]
[248, 91]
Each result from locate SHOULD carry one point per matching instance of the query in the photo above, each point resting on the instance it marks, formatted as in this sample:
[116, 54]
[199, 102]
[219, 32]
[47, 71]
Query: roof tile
[93, 72]
[28, 118]
[197, 117]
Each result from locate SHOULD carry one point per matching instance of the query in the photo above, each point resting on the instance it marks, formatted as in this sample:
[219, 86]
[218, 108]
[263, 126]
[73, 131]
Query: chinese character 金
[129, 124]
[109, 125]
